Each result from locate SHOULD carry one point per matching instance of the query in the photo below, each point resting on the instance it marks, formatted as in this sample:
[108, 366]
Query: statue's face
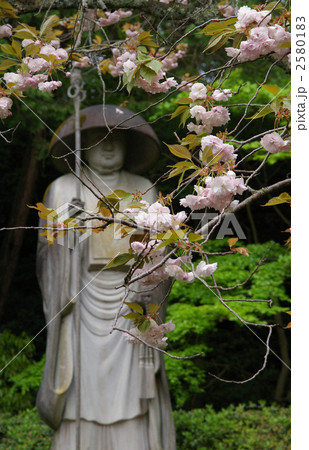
[106, 156]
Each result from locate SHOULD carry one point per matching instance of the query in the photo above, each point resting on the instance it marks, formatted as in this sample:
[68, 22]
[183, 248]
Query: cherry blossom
[262, 41]
[36, 64]
[5, 106]
[198, 113]
[205, 270]
[173, 270]
[84, 62]
[49, 86]
[247, 16]
[5, 31]
[221, 96]
[154, 335]
[218, 147]
[273, 143]
[218, 116]
[226, 10]
[113, 17]
[217, 193]
[198, 92]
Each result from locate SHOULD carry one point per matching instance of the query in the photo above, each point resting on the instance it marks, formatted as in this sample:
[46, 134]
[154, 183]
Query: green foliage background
[202, 324]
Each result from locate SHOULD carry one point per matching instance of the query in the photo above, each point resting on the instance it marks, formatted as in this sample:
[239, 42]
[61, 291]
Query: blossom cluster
[214, 116]
[217, 192]
[262, 39]
[156, 217]
[183, 2]
[169, 268]
[226, 10]
[218, 148]
[273, 143]
[154, 335]
[125, 61]
[5, 106]
[113, 17]
[5, 31]
[23, 80]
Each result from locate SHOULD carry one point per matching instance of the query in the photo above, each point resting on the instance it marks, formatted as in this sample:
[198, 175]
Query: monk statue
[123, 391]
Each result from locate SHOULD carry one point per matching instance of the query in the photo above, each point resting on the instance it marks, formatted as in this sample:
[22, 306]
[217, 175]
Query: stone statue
[125, 402]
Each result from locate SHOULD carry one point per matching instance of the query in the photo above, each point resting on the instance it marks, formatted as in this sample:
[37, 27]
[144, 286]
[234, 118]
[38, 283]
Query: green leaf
[17, 47]
[154, 65]
[144, 325]
[263, 111]
[153, 308]
[216, 27]
[179, 110]
[285, 45]
[147, 73]
[179, 150]
[271, 88]
[217, 42]
[6, 48]
[185, 116]
[132, 316]
[6, 64]
[119, 194]
[144, 38]
[119, 260]
[135, 306]
[271, 5]
[184, 100]
[193, 237]
[24, 34]
[48, 25]
[282, 198]
[32, 49]
[239, 37]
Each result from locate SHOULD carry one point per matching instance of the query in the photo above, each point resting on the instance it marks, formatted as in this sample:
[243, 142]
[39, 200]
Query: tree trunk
[13, 240]
[284, 353]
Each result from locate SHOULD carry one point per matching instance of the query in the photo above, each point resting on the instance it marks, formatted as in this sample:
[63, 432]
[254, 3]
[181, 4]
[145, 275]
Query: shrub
[241, 427]
[230, 350]
[25, 431]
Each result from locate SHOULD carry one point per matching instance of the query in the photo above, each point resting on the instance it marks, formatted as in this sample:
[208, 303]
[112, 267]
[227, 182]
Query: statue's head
[123, 140]
[107, 154]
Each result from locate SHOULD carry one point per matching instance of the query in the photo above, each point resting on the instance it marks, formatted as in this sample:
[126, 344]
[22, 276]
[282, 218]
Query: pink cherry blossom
[171, 61]
[232, 52]
[226, 10]
[247, 16]
[222, 96]
[173, 270]
[5, 106]
[198, 113]
[218, 116]
[194, 202]
[154, 335]
[36, 64]
[217, 194]
[14, 78]
[5, 31]
[273, 143]
[218, 147]
[26, 42]
[49, 86]
[198, 92]
[84, 62]
[205, 270]
[129, 66]
[205, 128]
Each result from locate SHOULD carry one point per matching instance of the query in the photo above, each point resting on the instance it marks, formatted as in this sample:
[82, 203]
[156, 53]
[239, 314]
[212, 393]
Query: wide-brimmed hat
[142, 143]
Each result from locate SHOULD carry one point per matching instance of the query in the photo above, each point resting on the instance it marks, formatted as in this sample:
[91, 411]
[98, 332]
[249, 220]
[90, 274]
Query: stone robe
[124, 394]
